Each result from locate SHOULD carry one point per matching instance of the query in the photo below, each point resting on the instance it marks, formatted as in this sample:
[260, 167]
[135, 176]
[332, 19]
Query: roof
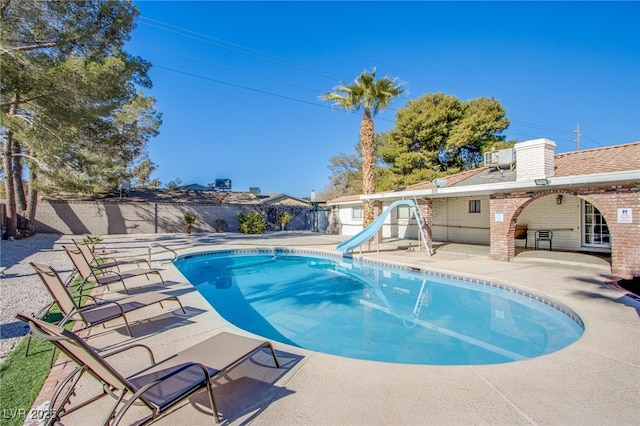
[615, 158]
[346, 199]
[452, 180]
[194, 186]
[282, 199]
[164, 196]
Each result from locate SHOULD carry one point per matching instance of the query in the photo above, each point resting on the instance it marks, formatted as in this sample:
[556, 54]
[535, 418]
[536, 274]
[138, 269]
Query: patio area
[594, 381]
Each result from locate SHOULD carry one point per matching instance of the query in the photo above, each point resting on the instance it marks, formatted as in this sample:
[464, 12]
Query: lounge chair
[107, 262]
[159, 386]
[103, 276]
[97, 312]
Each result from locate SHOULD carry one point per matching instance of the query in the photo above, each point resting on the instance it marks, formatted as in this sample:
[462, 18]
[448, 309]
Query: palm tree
[373, 96]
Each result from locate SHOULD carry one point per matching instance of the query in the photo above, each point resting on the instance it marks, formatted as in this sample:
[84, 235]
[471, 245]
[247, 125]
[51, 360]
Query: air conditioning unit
[491, 158]
[504, 158]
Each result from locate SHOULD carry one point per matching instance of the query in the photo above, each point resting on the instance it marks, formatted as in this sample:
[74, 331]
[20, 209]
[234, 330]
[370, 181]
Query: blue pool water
[376, 312]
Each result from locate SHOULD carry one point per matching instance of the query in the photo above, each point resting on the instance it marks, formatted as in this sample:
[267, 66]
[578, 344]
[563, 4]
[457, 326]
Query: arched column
[503, 213]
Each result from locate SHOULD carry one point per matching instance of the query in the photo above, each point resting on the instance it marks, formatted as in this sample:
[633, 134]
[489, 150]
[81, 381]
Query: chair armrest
[107, 354]
[117, 417]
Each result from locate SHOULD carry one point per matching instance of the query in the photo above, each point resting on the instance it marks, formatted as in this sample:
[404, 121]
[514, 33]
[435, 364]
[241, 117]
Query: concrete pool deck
[594, 381]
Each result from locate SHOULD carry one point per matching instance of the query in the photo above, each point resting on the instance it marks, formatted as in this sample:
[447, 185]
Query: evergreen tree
[69, 103]
[438, 134]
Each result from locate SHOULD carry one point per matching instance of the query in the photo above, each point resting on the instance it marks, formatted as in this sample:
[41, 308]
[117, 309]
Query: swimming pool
[362, 310]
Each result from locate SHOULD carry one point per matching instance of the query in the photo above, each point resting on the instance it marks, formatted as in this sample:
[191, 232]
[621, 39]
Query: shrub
[252, 223]
[220, 225]
[189, 219]
[284, 219]
[92, 241]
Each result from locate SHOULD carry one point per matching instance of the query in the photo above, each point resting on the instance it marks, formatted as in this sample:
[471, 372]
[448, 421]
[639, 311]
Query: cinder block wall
[103, 218]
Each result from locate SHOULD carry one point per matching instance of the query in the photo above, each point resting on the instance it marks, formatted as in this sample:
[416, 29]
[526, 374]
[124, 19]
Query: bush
[284, 219]
[189, 220]
[220, 225]
[252, 223]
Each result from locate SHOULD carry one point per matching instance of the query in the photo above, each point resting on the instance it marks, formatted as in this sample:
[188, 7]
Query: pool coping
[539, 297]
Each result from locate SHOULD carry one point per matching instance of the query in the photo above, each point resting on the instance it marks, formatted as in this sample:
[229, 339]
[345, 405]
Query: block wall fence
[105, 218]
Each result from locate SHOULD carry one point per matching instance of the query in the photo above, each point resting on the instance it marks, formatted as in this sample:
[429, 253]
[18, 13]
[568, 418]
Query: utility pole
[578, 137]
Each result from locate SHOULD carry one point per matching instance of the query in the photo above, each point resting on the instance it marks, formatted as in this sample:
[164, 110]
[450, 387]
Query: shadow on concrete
[248, 389]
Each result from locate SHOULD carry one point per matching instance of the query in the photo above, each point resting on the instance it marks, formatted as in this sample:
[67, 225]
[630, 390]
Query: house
[589, 200]
[194, 187]
[282, 199]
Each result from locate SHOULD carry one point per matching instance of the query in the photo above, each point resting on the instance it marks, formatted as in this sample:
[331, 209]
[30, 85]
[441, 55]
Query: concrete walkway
[594, 381]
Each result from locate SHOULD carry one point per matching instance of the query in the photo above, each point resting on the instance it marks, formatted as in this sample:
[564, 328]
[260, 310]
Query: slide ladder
[370, 231]
[421, 223]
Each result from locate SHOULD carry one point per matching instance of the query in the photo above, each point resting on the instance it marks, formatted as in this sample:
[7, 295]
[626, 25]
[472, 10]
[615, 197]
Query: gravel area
[20, 288]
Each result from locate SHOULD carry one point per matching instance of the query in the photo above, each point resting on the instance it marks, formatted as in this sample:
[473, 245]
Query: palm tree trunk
[367, 143]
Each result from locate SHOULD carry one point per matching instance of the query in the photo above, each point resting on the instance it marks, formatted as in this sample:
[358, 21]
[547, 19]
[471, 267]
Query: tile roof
[452, 180]
[615, 158]
[345, 199]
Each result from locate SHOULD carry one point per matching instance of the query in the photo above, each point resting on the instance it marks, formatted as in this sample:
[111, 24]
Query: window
[356, 213]
[474, 206]
[404, 212]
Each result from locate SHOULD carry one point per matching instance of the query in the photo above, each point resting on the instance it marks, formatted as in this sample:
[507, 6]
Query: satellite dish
[440, 182]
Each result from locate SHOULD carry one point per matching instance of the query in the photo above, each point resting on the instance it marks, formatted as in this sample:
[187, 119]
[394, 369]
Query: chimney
[535, 159]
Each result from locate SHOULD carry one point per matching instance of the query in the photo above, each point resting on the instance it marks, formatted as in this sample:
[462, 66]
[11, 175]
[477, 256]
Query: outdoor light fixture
[559, 199]
[543, 181]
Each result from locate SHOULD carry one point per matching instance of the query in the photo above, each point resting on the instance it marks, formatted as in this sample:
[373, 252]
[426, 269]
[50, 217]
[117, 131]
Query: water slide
[370, 231]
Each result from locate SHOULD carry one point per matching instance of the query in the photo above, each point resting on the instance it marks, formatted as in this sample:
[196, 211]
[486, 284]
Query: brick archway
[625, 237]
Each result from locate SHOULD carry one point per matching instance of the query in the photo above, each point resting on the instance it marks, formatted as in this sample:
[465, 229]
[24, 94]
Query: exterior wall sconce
[543, 181]
[559, 199]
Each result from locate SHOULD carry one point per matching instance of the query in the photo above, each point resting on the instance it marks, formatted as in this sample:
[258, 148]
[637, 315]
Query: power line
[183, 32]
[264, 92]
[238, 86]
[180, 55]
[241, 49]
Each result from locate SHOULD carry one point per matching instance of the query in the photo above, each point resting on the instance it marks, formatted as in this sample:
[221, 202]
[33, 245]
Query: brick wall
[506, 211]
[625, 237]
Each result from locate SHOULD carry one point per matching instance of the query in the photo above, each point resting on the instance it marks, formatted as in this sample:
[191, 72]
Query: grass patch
[21, 378]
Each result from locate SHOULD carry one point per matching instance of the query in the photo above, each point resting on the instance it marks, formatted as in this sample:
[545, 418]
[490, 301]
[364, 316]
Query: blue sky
[238, 83]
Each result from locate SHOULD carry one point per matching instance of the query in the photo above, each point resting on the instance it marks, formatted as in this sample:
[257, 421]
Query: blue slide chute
[370, 231]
